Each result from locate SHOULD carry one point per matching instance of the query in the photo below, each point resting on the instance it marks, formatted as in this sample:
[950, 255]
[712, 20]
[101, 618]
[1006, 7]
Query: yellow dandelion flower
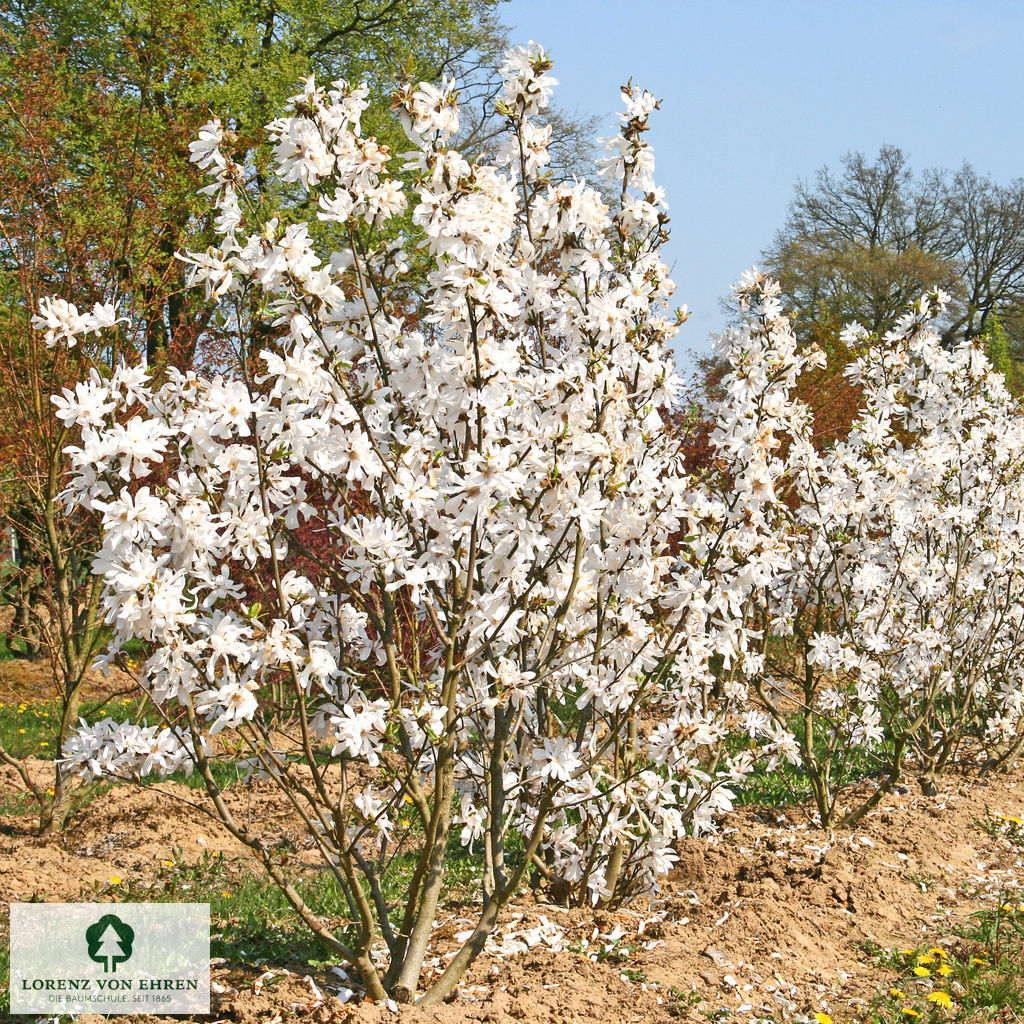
[924, 959]
[44, 744]
[823, 1018]
[979, 960]
[168, 863]
[909, 1011]
[897, 994]
[22, 731]
[941, 999]
[935, 951]
[945, 970]
[922, 972]
[114, 879]
[227, 895]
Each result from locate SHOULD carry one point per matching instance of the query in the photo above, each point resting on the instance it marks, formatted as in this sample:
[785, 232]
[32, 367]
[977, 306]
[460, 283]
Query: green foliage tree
[997, 349]
[159, 62]
[243, 58]
[156, 63]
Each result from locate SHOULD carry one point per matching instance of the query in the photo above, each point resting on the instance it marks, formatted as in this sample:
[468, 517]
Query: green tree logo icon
[110, 941]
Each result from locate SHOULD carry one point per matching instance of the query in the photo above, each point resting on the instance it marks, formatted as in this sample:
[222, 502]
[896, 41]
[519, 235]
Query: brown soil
[22, 680]
[768, 919]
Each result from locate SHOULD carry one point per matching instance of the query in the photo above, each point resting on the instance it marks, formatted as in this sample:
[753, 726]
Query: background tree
[863, 243]
[168, 61]
[87, 196]
[987, 225]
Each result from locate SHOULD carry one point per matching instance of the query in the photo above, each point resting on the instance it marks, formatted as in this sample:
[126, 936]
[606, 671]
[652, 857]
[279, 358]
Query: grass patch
[11, 649]
[785, 784]
[965, 983]
[30, 727]
[18, 803]
[1001, 826]
[681, 1000]
[23, 803]
[789, 784]
[226, 773]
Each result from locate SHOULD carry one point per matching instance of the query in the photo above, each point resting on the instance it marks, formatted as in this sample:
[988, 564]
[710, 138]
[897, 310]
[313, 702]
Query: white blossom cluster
[60, 320]
[452, 521]
[123, 750]
[902, 583]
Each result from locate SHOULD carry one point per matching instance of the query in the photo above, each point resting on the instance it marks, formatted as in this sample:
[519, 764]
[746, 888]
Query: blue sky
[755, 95]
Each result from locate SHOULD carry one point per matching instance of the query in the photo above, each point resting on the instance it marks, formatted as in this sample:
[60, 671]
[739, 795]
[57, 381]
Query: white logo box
[110, 958]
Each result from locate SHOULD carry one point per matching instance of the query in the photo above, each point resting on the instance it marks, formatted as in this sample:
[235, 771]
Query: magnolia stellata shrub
[430, 553]
[902, 592]
[446, 516]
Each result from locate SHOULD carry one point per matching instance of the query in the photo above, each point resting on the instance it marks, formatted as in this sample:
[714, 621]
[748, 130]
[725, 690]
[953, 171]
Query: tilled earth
[768, 920]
